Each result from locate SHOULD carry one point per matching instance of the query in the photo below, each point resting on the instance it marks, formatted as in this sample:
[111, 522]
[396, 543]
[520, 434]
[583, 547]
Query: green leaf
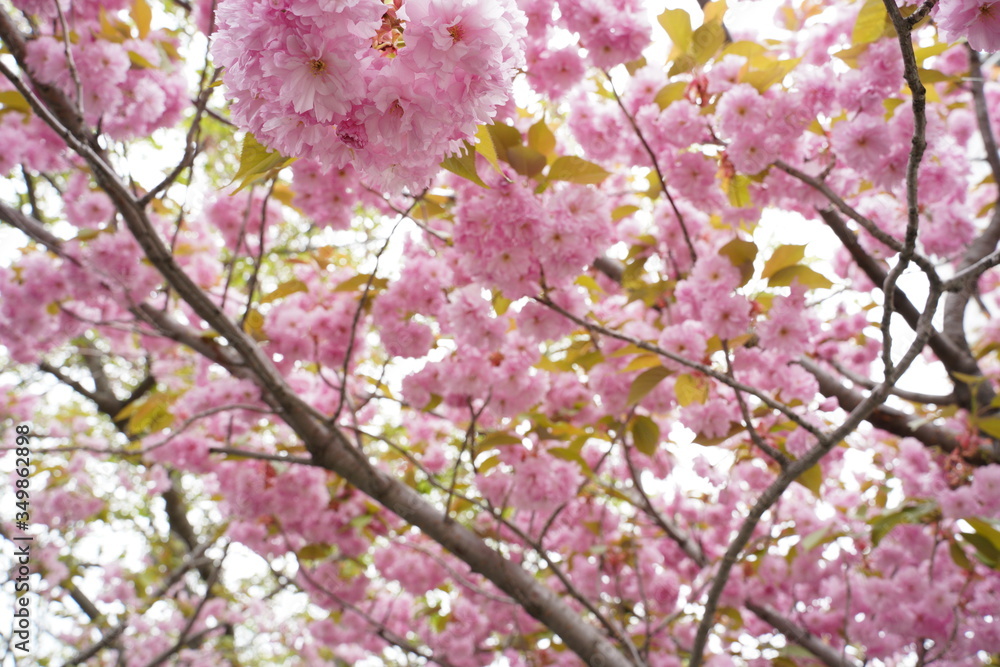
[959, 556]
[540, 138]
[690, 389]
[818, 537]
[870, 25]
[812, 479]
[967, 378]
[143, 17]
[990, 426]
[985, 552]
[464, 165]
[255, 161]
[670, 93]
[677, 23]
[742, 254]
[284, 289]
[645, 435]
[786, 255]
[911, 514]
[987, 530]
[803, 274]
[645, 383]
[576, 170]
[526, 160]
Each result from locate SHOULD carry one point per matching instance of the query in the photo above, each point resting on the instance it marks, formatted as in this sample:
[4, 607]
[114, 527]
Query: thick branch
[954, 358]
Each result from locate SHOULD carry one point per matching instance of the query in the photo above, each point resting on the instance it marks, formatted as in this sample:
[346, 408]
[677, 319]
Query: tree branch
[823, 651]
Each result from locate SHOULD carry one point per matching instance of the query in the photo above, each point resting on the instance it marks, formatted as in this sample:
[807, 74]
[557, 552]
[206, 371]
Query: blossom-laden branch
[327, 444]
[824, 444]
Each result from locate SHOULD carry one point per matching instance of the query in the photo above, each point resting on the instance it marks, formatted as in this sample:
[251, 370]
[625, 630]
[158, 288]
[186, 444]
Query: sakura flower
[976, 20]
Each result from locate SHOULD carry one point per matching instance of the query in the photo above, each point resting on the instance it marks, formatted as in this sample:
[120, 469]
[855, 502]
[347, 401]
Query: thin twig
[656, 168]
[755, 436]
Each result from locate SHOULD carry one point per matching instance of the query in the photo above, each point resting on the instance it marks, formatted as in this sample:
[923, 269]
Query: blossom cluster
[391, 91]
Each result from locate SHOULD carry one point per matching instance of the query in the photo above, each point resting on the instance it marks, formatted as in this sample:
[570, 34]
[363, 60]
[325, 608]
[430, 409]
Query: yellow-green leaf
[624, 211]
[576, 170]
[935, 49]
[359, 282]
[682, 63]
[645, 383]
[504, 136]
[464, 165]
[690, 389]
[138, 61]
[540, 138]
[871, 22]
[254, 325]
[11, 100]
[499, 439]
[786, 255]
[742, 254]
[708, 39]
[801, 274]
[526, 160]
[485, 147]
[645, 435]
[812, 479]
[677, 23]
[766, 77]
[738, 191]
[150, 416]
[714, 11]
[143, 17]
[501, 303]
[670, 93]
[641, 362]
[315, 551]
[256, 160]
[745, 49]
[284, 289]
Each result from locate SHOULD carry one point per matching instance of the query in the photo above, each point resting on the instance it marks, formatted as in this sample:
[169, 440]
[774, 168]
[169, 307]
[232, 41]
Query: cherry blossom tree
[501, 332]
